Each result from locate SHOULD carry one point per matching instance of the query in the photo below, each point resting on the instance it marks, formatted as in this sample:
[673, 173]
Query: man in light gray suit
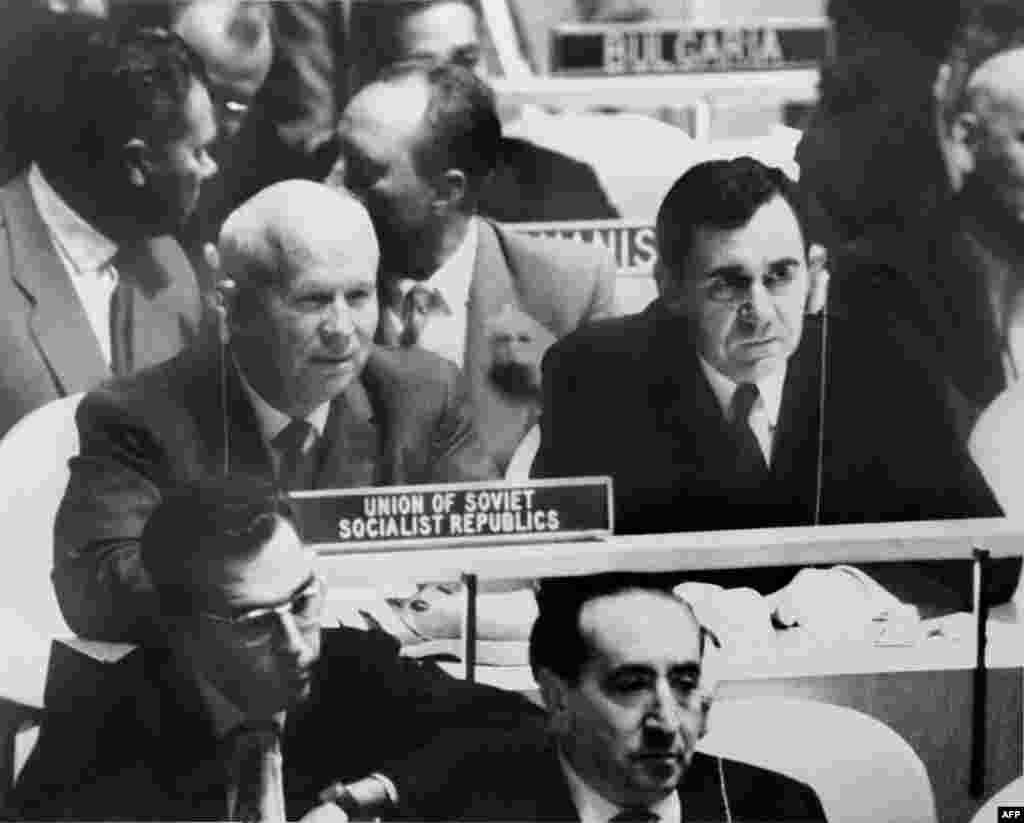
[418, 145]
[89, 286]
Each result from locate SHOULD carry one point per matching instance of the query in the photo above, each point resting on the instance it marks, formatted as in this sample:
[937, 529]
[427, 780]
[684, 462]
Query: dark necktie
[750, 460]
[636, 814]
[298, 467]
[254, 768]
[120, 324]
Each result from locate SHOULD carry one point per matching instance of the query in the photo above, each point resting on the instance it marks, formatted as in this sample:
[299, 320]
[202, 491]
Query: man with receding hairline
[619, 663]
[294, 389]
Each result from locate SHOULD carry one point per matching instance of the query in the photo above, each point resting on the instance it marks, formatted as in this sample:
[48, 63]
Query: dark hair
[556, 641]
[724, 194]
[146, 13]
[374, 34]
[991, 27]
[215, 520]
[103, 86]
[461, 129]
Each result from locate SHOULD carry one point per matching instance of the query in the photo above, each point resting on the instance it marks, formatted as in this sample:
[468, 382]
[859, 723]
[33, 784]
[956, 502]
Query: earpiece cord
[819, 479]
[721, 786]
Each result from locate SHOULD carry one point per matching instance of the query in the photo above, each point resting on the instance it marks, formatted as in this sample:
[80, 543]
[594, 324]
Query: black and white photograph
[512, 410]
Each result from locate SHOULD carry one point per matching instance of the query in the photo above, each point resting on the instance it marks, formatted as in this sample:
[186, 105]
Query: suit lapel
[58, 321]
[186, 758]
[501, 421]
[156, 328]
[224, 414]
[795, 452]
[351, 448]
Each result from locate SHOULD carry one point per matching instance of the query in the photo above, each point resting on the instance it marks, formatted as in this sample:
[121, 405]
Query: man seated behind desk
[249, 711]
[299, 392]
[619, 668]
[707, 408]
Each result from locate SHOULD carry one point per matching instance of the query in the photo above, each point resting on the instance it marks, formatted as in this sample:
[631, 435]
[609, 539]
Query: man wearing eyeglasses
[252, 712]
[724, 406]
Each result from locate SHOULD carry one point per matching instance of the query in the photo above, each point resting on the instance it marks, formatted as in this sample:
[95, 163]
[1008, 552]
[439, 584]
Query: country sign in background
[684, 47]
[453, 514]
[631, 242]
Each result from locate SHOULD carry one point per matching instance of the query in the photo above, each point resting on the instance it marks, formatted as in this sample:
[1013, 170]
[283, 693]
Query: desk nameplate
[454, 514]
[683, 47]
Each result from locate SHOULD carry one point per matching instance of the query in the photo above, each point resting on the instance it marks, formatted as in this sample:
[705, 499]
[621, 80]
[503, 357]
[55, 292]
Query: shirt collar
[226, 716]
[769, 387]
[455, 275]
[595, 808]
[88, 249]
[273, 421]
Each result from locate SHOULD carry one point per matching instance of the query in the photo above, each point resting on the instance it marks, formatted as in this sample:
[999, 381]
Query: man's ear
[554, 691]
[450, 189]
[137, 161]
[963, 141]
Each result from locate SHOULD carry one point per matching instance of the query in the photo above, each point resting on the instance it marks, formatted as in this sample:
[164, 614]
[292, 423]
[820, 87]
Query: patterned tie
[298, 466]
[750, 460]
[636, 814]
[120, 320]
[254, 768]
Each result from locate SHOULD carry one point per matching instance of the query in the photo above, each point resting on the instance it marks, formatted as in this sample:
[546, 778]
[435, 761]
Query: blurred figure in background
[870, 157]
[950, 282]
[418, 147]
[529, 182]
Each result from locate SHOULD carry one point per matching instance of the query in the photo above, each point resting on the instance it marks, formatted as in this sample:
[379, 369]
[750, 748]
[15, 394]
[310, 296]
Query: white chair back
[861, 769]
[1010, 795]
[33, 476]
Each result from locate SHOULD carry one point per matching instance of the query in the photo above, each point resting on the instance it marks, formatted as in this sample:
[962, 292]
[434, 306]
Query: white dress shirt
[446, 334]
[594, 808]
[273, 421]
[764, 416]
[87, 255]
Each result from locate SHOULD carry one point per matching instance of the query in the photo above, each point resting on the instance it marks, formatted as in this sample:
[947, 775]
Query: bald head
[986, 132]
[997, 84]
[233, 39]
[304, 308]
[294, 225]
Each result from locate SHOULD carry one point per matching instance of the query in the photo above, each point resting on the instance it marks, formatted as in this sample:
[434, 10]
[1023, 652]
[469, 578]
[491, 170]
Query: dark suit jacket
[517, 776]
[627, 398]
[404, 421]
[47, 347]
[142, 747]
[927, 284]
[559, 283]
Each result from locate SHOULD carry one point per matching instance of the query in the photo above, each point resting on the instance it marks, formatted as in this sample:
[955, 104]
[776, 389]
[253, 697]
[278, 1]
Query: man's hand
[518, 343]
[325, 813]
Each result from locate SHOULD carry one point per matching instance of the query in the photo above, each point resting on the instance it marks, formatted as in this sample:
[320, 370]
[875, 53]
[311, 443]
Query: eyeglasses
[259, 626]
[734, 287]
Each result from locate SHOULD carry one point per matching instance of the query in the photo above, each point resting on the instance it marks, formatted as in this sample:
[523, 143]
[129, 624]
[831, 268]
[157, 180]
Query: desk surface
[811, 545]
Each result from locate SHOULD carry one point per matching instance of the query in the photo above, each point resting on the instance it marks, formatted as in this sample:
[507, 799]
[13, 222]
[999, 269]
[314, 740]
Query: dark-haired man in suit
[250, 711]
[619, 665]
[89, 284]
[722, 406]
[298, 392]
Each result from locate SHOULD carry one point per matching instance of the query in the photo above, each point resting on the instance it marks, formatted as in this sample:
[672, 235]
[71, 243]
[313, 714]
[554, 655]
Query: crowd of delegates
[256, 305]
